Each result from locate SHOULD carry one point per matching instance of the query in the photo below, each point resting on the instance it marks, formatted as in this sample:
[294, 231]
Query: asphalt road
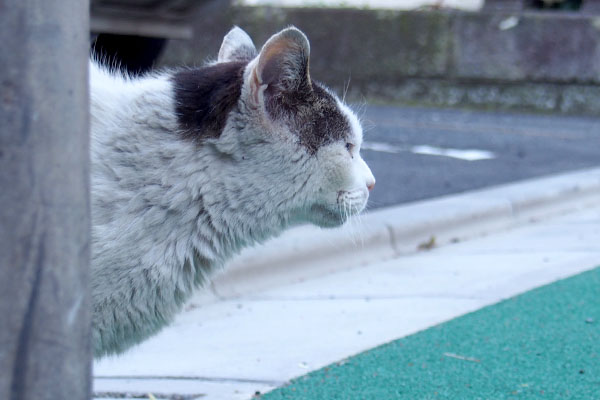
[420, 153]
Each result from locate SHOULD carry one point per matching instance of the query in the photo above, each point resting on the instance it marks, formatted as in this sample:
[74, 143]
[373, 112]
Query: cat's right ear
[236, 46]
[282, 66]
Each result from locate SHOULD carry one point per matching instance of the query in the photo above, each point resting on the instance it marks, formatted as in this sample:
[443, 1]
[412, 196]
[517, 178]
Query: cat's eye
[349, 147]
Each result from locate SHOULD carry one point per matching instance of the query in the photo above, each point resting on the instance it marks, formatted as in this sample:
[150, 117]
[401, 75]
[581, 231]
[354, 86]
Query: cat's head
[298, 129]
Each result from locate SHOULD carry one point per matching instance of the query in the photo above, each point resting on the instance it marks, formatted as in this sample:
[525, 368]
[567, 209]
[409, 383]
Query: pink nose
[371, 185]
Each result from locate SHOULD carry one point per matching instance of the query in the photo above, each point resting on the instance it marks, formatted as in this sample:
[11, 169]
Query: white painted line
[461, 154]
[508, 23]
[467, 154]
[383, 147]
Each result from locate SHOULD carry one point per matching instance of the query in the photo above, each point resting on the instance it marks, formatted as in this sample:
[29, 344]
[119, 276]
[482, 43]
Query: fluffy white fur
[166, 211]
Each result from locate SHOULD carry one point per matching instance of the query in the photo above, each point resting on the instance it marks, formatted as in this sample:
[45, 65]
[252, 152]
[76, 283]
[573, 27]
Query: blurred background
[454, 94]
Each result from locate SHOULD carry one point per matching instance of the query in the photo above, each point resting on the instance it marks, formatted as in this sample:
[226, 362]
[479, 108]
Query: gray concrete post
[44, 200]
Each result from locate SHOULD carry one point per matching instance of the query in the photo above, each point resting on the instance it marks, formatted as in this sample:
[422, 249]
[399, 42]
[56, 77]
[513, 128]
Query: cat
[191, 165]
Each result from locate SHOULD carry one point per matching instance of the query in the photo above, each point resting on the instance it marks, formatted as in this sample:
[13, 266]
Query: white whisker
[346, 87]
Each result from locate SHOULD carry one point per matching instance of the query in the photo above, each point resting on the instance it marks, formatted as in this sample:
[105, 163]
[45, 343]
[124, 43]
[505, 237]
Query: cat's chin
[326, 217]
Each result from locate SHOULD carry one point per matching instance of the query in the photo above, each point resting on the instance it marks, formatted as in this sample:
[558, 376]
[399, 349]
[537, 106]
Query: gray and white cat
[189, 166]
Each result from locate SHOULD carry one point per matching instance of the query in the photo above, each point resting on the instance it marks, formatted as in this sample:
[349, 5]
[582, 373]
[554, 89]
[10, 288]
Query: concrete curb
[308, 252]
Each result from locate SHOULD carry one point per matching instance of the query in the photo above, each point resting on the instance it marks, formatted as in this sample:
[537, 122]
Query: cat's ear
[282, 66]
[236, 46]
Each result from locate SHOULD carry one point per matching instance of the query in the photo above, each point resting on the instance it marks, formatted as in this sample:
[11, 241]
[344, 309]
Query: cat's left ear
[236, 46]
[282, 66]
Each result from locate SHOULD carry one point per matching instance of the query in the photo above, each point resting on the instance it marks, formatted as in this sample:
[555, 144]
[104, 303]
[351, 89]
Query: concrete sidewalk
[315, 297]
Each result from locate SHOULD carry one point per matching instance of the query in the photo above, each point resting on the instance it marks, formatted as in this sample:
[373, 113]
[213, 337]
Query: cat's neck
[172, 190]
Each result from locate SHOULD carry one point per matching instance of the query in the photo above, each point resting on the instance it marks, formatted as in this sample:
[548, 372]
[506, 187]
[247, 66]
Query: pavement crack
[196, 378]
[140, 395]
[393, 240]
[449, 296]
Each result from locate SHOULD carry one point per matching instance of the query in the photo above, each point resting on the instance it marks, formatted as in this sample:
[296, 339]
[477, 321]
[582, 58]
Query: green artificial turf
[544, 344]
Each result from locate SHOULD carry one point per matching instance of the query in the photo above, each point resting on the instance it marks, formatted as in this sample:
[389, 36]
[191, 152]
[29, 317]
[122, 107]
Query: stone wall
[505, 59]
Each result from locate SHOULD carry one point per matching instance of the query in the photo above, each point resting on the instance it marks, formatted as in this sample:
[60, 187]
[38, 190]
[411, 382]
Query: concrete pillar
[44, 200]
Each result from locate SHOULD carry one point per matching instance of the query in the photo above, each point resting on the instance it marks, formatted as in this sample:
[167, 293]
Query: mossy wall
[537, 61]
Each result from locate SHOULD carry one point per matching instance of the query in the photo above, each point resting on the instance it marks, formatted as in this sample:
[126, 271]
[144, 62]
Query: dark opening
[134, 54]
[556, 4]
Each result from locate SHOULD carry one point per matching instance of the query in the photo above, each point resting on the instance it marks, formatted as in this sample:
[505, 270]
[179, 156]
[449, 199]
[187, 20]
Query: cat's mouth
[352, 202]
[327, 217]
[348, 203]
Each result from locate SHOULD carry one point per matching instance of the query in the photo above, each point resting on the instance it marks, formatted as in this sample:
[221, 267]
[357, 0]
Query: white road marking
[383, 147]
[466, 154]
[508, 23]
[461, 154]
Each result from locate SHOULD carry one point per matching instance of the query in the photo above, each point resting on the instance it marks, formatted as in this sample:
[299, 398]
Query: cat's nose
[371, 185]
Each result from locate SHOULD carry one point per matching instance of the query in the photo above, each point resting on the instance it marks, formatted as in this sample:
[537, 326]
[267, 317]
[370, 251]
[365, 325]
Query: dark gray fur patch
[313, 114]
[205, 96]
